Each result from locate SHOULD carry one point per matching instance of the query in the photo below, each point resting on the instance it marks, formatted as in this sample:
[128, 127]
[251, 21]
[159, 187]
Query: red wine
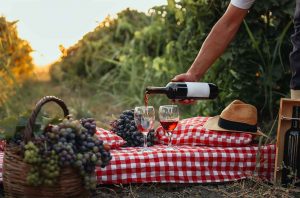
[169, 125]
[140, 128]
[146, 98]
[186, 90]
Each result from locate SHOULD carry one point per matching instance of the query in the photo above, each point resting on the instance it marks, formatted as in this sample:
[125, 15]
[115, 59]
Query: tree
[136, 50]
[15, 60]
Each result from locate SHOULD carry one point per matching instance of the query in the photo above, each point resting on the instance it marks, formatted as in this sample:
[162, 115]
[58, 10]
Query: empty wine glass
[169, 117]
[144, 117]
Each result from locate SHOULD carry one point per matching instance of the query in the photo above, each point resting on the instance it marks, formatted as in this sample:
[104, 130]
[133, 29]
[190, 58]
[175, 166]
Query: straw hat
[236, 117]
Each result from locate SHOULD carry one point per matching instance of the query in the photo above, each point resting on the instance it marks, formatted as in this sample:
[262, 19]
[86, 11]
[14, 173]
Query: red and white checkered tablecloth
[190, 131]
[189, 164]
[1, 164]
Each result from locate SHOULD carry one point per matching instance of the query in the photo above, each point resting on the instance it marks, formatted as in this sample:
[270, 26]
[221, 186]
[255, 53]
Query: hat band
[236, 126]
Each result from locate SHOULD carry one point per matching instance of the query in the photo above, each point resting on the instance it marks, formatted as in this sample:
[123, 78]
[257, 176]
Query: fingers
[179, 78]
[184, 78]
[187, 101]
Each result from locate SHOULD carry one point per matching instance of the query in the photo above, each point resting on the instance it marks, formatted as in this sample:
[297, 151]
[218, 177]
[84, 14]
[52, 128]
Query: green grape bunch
[67, 144]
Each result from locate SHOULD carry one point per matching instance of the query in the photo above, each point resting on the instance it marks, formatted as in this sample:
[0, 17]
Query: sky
[48, 23]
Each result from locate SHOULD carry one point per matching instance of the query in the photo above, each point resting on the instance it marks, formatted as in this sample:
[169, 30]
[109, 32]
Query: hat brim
[212, 124]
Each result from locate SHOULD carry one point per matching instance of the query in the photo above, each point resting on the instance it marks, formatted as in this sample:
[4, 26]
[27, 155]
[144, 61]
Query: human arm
[215, 44]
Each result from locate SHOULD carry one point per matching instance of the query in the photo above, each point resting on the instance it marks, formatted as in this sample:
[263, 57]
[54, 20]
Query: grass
[88, 102]
[248, 188]
[252, 187]
[85, 102]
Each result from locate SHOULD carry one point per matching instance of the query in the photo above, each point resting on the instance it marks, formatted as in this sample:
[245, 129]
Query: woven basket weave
[15, 170]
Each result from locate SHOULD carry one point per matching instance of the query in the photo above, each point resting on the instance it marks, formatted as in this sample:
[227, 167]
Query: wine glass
[144, 117]
[169, 117]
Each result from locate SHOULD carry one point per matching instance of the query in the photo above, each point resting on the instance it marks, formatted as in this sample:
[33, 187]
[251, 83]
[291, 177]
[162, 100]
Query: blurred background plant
[15, 64]
[108, 69]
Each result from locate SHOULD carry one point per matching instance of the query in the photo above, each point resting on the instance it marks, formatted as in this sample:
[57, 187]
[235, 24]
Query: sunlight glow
[46, 24]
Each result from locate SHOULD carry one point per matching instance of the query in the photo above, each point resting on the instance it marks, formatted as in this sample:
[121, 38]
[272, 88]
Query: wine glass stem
[170, 139]
[145, 141]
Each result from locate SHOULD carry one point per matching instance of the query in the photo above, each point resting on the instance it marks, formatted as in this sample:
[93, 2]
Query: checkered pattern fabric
[191, 132]
[108, 137]
[188, 164]
[1, 165]
[2, 145]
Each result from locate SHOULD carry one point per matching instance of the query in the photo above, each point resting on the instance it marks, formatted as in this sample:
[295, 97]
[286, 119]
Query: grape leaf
[23, 118]
[46, 121]
[8, 127]
[22, 122]
[40, 126]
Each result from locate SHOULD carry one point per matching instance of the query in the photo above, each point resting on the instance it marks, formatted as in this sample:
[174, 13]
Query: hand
[185, 77]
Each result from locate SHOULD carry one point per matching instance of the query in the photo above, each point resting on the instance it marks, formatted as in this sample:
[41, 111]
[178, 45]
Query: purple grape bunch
[71, 143]
[126, 128]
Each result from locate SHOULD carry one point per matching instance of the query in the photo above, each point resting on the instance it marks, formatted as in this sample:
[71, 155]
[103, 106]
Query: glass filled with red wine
[169, 117]
[144, 117]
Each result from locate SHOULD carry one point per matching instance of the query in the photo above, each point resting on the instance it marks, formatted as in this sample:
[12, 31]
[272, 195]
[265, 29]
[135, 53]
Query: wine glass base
[145, 149]
[171, 148]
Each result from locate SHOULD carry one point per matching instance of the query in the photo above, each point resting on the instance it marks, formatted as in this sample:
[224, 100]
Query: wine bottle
[291, 153]
[186, 90]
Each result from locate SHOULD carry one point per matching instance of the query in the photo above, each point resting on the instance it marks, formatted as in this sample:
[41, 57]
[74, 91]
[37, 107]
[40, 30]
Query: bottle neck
[296, 114]
[295, 124]
[156, 90]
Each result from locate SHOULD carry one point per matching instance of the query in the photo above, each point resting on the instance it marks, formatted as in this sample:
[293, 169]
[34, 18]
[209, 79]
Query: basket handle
[29, 127]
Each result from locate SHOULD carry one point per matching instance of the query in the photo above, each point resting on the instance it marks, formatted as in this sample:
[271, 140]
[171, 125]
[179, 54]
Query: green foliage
[14, 52]
[125, 54]
[256, 66]
[8, 127]
[15, 63]
[99, 52]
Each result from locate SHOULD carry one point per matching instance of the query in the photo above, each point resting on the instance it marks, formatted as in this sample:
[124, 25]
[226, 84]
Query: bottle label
[199, 90]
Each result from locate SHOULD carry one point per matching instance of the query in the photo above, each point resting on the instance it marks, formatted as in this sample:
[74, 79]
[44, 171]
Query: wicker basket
[15, 170]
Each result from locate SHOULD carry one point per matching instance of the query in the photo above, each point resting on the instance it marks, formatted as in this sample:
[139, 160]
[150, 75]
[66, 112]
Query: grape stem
[45, 146]
[145, 141]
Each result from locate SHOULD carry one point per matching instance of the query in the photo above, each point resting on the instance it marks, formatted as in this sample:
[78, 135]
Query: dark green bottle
[291, 153]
